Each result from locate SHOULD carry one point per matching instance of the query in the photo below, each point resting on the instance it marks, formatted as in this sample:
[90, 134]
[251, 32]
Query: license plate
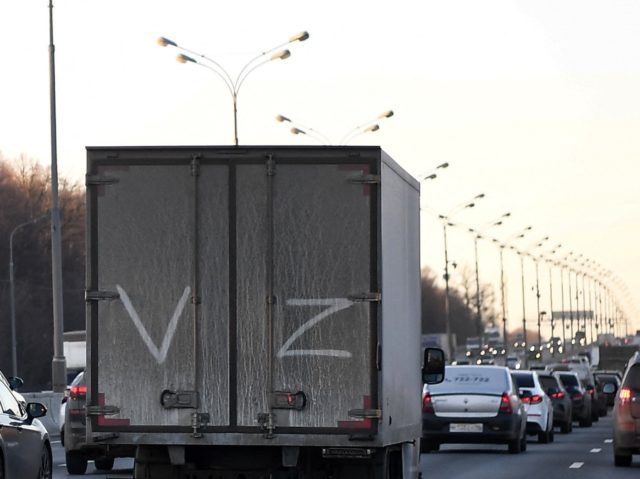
[465, 427]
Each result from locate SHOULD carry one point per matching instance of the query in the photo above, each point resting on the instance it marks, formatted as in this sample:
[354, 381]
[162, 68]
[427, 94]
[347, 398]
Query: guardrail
[52, 401]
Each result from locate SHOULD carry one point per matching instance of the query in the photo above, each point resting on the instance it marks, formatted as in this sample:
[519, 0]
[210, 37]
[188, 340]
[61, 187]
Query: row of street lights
[594, 289]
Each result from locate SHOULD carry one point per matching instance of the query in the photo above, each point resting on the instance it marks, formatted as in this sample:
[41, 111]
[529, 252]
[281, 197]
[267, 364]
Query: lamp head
[386, 114]
[298, 131]
[443, 165]
[375, 127]
[281, 55]
[299, 37]
[164, 42]
[182, 58]
[282, 119]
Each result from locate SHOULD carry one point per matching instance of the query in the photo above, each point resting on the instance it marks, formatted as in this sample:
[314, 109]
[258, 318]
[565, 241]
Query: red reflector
[78, 391]
[427, 405]
[505, 404]
[576, 395]
[625, 395]
[558, 395]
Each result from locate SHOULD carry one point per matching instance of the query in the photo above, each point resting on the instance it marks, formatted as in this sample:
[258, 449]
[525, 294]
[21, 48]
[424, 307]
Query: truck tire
[104, 463]
[76, 462]
[153, 463]
[621, 460]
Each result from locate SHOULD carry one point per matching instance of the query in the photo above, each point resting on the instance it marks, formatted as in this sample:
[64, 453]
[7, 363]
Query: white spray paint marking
[576, 465]
[336, 304]
[608, 441]
[159, 354]
[595, 450]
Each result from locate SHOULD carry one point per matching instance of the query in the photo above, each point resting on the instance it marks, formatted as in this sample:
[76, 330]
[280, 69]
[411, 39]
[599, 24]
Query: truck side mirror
[433, 366]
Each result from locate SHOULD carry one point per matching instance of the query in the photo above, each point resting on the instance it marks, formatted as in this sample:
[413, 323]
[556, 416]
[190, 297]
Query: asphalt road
[586, 453]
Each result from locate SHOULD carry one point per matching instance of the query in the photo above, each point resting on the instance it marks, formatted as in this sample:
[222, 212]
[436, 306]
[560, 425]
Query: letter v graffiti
[159, 354]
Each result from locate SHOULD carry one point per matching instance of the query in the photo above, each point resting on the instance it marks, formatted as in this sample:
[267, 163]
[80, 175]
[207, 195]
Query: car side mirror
[15, 383]
[35, 410]
[433, 366]
[609, 388]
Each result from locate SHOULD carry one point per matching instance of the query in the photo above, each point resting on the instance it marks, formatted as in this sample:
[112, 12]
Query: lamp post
[550, 262]
[502, 245]
[58, 363]
[445, 223]
[14, 344]
[431, 175]
[368, 127]
[477, 234]
[234, 85]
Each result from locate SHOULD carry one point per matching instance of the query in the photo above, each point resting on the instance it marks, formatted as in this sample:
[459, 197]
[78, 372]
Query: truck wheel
[104, 464]
[621, 460]
[76, 462]
[153, 463]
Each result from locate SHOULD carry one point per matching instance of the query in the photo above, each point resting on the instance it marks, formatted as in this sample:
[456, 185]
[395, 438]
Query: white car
[537, 404]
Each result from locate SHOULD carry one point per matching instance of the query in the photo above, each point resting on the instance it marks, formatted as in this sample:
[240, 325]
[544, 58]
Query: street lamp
[502, 246]
[477, 234]
[445, 222]
[234, 85]
[14, 346]
[368, 127]
[431, 175]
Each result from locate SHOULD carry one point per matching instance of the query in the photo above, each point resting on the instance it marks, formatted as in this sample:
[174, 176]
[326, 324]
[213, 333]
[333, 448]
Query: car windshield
[472, 379]
[523, 380]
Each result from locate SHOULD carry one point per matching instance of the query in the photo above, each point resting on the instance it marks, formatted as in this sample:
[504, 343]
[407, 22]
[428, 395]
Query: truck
[255, 311]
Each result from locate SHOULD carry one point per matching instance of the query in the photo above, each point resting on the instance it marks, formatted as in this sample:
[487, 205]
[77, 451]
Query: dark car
[626, 415]
[561, 400]
[580, 398]
[25, 449]
[77, 452]
[473, 405]
[598, 400]
[603, 378]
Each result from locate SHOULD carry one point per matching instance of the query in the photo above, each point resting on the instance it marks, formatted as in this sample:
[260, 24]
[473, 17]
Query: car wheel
[565, 427]
[621, 460]
[76, 462]
[515, 446]
[543, 437]
[46, 471]
[523, 443]
[552, 435]
[1, 467]
[104, 464]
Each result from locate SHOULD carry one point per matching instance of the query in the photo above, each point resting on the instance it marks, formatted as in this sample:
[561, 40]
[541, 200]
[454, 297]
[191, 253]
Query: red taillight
[536, 399]
[427, 405]
[78, 391]
[505, 404]
[558, 395]
[576, 395]
[624, 395]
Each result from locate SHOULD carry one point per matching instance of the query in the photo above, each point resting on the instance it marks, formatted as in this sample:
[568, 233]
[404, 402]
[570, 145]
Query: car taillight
[558, 395]
[536, 399]
[624, 395]
[505, 404]
[576, 395]
[78, 391]
[427, 405]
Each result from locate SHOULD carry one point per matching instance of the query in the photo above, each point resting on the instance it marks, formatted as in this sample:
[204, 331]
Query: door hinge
[101, 295]
[199, 420]
[271, 166]
[102, 410]
[195, 165]
[365, 179]
[98, 180]
[366, 297]
[365, 413]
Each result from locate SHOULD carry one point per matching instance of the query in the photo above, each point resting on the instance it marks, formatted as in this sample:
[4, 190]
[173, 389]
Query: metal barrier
[52, 401]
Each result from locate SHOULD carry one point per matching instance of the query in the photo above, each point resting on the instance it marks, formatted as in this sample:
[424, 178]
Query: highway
[586, 453]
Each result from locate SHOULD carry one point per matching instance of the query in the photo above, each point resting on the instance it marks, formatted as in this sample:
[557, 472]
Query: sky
[533, 103]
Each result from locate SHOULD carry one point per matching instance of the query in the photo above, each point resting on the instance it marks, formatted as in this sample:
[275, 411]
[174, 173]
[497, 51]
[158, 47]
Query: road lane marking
[576, 465]
[608, 441]
[595, 450]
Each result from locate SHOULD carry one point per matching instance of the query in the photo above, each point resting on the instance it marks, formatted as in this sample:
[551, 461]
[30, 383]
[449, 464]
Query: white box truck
[254, 312]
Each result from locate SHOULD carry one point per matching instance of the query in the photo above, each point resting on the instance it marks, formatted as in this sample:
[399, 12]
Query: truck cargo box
[252, 295]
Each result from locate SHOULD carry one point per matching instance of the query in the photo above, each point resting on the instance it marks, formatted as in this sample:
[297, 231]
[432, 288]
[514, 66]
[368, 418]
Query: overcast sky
[534, 103]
